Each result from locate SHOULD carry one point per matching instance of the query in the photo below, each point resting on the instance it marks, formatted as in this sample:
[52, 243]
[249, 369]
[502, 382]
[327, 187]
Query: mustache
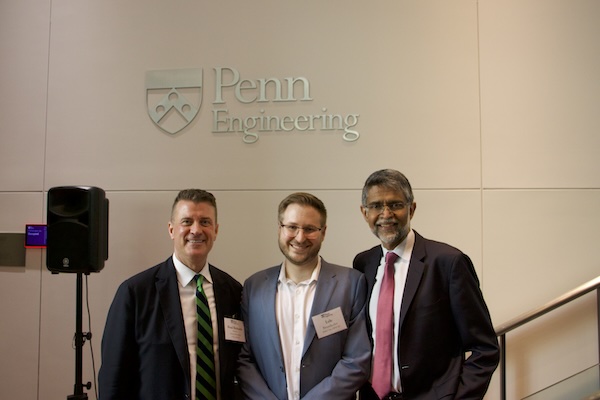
[386, 221]
[195, 237]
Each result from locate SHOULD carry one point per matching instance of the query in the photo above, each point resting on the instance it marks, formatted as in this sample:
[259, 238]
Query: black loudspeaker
[77, 229]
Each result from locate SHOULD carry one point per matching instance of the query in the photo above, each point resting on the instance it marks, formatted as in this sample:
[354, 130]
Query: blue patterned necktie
[206, 386]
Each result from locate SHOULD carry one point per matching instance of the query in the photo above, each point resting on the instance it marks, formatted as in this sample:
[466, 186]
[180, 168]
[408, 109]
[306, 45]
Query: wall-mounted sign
[174, 98]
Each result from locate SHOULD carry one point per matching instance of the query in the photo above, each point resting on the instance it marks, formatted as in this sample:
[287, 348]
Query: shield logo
[173, 97]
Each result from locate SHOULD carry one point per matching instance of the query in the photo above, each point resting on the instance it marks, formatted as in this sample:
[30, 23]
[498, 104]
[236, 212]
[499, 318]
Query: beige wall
[489, 107]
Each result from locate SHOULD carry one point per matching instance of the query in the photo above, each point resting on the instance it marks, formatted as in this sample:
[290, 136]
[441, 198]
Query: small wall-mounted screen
[35, 236]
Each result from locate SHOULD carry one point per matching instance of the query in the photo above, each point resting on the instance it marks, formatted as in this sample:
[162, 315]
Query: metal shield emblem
[173, 97]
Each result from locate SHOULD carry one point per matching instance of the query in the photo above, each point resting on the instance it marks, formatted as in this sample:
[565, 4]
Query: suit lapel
[168, 295]
[374, 258]
[326, 284]
[220, 301]
[267, 303]
[415, 273]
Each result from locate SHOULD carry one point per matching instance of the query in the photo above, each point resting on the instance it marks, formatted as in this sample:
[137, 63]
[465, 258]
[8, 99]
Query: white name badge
[234, 330]
[329, 322]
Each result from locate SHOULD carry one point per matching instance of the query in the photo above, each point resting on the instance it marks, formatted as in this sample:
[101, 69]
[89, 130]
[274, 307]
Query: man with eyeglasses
[430, 327]
[305, 318]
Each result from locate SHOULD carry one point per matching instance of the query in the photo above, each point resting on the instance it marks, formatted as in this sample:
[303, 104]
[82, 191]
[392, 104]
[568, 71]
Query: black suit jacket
[144, 348]
[443, 315]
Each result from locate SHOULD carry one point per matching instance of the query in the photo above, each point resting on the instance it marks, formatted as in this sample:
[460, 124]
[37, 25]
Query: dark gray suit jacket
[144, 348]
[443, 315]
[333, 367]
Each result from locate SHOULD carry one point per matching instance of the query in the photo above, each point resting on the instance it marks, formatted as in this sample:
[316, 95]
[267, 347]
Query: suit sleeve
[354, 367]
[117, 378]
[476, 330]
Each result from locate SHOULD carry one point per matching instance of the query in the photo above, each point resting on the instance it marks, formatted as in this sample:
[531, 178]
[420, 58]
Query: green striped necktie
[206, 386]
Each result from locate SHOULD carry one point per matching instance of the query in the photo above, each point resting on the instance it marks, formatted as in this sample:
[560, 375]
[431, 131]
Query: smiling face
[301, 250]
[390, 226]
[193, 228]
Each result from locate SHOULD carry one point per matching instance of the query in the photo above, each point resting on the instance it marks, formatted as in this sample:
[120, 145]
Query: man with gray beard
[430, 328]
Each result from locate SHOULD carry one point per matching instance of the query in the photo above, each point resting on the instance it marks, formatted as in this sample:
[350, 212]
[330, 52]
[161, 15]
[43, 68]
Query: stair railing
[503, 329]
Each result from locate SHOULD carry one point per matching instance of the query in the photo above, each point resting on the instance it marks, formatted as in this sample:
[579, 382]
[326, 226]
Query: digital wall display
[35, 236]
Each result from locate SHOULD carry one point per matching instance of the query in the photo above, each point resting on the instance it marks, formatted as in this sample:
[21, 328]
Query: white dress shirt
[187, 296]
[293, 304]
[404, 251]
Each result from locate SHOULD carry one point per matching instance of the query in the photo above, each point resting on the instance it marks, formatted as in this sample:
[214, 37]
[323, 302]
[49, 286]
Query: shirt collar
[185, 275]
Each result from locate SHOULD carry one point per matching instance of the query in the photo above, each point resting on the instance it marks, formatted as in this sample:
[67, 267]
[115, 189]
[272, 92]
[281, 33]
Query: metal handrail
[522, 319]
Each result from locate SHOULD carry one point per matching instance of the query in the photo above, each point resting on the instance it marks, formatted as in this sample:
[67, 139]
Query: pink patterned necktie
[383, 358]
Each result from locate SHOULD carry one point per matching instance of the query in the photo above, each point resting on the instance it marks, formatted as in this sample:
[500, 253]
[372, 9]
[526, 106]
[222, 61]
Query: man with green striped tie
[165, 332]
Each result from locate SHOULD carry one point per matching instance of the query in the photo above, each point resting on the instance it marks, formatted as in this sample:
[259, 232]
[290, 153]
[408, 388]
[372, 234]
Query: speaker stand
[80, 338]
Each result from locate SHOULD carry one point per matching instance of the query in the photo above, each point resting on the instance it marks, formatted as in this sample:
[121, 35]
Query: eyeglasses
[292, 230]
[377, 208]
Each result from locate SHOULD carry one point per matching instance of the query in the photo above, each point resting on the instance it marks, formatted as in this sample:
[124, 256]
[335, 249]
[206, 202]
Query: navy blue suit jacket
[144, 347]
[443, 316]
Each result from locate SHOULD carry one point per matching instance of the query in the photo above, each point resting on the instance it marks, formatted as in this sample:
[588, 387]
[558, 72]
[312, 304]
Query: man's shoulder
[263, 276]
[143, 283]
[223, 277]
[435, 246]
[147, 275]
[265, 273]
[363, 258]
[442, 256]
[369, 252]
[340, 270]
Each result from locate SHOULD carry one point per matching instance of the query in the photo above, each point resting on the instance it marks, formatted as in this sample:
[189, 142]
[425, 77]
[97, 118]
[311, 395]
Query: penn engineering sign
[174, 98]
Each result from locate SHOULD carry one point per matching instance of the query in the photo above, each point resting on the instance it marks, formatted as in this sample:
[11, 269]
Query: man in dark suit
[305, 318]
[149, 342]
[443, 343]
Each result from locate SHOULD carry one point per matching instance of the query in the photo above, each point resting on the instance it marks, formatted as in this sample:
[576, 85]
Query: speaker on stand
[77, 219]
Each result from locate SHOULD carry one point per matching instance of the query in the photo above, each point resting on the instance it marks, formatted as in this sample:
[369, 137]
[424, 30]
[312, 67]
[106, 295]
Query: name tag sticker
[329, 322]
[234, 330]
